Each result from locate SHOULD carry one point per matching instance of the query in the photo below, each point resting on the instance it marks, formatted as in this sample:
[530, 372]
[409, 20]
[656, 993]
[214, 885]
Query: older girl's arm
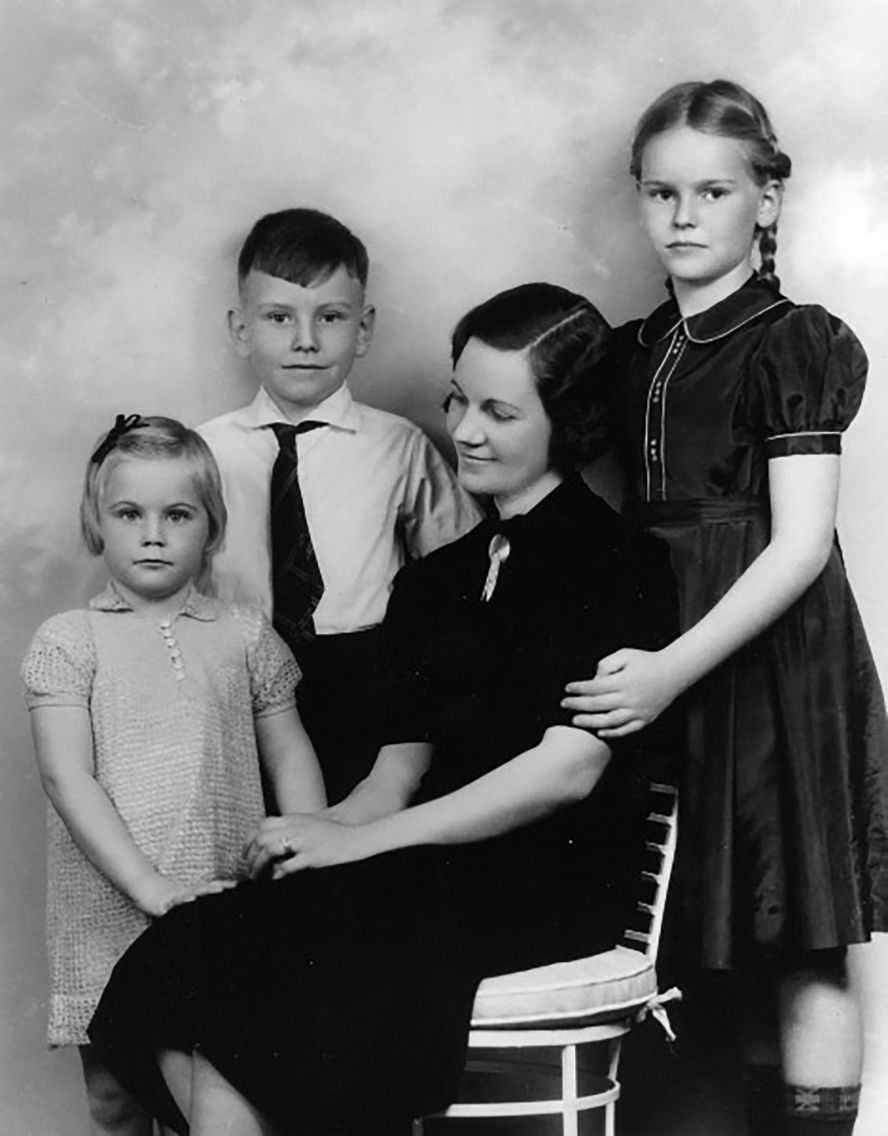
[64, 747]
[631, 688]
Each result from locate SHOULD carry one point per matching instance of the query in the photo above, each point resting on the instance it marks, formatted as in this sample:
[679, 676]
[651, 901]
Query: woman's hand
[630, 690]
[161, 893]
[302, 840]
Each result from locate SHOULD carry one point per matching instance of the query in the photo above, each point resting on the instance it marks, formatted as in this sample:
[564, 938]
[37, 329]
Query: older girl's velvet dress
[344, 994]
[784, 828]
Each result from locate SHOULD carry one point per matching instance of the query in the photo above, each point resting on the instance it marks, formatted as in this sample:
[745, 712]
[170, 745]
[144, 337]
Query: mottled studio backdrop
[474, 144]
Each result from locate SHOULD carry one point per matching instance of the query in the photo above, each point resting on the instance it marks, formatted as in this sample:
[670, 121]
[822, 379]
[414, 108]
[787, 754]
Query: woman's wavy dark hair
[565, 337]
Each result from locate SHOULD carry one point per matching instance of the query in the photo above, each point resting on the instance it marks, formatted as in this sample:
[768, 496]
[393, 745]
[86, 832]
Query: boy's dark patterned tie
[297, 585]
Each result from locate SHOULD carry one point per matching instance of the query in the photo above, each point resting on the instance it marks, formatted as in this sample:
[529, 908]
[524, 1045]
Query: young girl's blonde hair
[155, 438]
[727, 109]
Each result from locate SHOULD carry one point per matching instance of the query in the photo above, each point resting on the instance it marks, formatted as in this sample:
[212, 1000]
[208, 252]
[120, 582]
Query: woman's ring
[286, 846]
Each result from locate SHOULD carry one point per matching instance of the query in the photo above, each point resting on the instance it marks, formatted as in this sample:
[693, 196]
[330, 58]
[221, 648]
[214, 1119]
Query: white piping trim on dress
[802, 434]
[647, 425]
[647, 418]
[639, 335]
[683, 321]
[735, 327]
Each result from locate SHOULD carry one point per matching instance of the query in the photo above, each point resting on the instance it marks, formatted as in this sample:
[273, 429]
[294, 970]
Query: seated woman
[335, 991]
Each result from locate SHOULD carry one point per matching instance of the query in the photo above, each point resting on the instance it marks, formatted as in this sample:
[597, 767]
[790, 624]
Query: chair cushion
[595, 989]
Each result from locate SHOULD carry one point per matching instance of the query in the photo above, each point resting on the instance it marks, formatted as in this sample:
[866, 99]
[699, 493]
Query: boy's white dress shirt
[376, 493]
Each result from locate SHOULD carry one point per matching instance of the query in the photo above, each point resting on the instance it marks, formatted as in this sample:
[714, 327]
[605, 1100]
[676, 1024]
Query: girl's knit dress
[172, 707]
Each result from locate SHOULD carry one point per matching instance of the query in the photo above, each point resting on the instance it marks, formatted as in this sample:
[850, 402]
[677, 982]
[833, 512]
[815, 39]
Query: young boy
[316, 536]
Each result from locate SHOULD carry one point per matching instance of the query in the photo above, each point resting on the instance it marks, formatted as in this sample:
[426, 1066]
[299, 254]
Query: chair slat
[557, 1037]
[668, 790]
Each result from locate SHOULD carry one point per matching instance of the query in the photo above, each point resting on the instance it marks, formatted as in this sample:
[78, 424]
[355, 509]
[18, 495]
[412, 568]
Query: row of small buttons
[173, 650]
[655, 425]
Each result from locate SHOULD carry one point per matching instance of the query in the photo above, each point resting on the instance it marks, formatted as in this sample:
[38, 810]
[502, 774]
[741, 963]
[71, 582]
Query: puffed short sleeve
[59, 666]
[274, 673]
[808, 380]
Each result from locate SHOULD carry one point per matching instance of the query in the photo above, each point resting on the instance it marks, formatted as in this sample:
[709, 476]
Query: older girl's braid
[774, 164]
[767, 244]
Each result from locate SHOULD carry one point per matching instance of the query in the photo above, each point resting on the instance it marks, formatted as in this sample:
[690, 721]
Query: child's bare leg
[821, 1042]
[176, 1068]
[820, 1028]
[113, 1111]
[868, 973]
[215, 1108]
[218, 1109]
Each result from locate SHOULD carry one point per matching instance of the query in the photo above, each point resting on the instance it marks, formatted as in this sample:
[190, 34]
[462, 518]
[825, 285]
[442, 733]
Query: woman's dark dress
[345, 993]
[784, 833]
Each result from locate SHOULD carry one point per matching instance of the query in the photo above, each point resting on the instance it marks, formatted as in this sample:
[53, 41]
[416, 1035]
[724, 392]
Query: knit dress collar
[196, 605]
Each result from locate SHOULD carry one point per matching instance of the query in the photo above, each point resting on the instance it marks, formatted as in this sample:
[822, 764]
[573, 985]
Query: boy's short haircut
[303, 246]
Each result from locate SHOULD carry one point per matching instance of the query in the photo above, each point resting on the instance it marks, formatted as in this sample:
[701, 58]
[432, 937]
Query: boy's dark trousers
[340, 701]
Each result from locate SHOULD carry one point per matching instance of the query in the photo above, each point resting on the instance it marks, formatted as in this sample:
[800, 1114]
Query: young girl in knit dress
[156, 714]
[732, 401]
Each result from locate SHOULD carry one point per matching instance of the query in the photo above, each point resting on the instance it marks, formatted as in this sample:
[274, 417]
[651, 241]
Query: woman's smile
[499, 428]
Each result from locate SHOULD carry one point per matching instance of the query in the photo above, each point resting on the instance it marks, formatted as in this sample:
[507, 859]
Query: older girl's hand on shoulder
[631, 688]
[285, 844]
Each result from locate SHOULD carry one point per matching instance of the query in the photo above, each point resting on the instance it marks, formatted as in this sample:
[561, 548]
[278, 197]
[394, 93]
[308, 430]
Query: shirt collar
[338, 410]
[196, 605]
[750, 301]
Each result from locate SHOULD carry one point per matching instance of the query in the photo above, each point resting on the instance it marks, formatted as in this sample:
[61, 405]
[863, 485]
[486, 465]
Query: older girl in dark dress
[490, 836]
[733, 401]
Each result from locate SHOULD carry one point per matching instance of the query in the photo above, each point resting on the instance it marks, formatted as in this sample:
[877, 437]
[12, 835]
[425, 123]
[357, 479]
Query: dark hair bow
[122, 425]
